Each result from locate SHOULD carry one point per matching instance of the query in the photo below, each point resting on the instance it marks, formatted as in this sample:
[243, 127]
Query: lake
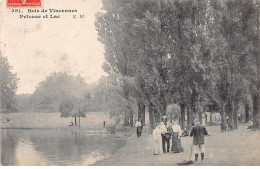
[65, 146]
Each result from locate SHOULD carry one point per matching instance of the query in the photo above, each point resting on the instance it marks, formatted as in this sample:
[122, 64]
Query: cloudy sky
[37, 47]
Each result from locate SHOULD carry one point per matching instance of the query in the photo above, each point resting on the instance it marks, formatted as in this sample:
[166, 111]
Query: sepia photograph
[130, 82]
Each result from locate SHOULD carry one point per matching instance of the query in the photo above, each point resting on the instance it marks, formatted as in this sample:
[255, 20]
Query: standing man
[198, 131]
[165, 137]
[138, 128]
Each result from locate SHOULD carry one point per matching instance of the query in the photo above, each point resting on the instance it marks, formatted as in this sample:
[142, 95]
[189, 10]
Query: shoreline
[127, 134]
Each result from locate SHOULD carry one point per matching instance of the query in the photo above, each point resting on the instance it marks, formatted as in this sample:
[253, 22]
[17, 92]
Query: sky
[37, 47]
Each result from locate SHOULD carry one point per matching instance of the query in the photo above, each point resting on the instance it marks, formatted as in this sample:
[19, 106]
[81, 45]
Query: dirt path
[240, 147]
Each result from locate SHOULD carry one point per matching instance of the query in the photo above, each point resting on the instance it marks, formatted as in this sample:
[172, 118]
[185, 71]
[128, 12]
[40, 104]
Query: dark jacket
[198, 131]
[169, 132]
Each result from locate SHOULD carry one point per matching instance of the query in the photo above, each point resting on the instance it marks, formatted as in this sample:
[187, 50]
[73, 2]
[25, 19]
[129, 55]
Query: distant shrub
[65, 108]
[111, 129]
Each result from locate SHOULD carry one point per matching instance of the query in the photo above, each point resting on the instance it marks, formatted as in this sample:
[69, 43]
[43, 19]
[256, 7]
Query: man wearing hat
[198, 132]
[165, 139]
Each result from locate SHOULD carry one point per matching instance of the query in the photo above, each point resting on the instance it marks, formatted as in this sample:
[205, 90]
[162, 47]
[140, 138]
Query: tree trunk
[182, 116]
[189, 117]
[141, 112]
[229, 113]
[199, 109]
[126, 122]
[255, 112]
[75, 120]
[151, 118]
[157, 116]
[223, 117]
[235, 116]
[210, 117]
[131, 118]
[231, 116]
[247, 112]
[256, 100]
[79, 118]
[163, 105]
[200, 113]
[192, 116]
[143, 118]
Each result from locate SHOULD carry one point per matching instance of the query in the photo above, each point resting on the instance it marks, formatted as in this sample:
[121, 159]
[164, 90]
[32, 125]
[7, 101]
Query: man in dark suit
[198, 132]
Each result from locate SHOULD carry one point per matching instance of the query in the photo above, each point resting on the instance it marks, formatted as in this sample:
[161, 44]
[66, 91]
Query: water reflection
[25, 154]
[55, 147]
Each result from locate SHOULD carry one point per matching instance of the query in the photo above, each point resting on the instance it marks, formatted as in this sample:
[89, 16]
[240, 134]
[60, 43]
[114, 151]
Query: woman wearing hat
[176, 142]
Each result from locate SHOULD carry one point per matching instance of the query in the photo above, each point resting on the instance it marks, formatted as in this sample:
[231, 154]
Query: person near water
[176, 141]
[138, 128]
[198, 132]
[157, 140]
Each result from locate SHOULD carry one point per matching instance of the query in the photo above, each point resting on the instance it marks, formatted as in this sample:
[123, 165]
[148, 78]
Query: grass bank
[93, 120]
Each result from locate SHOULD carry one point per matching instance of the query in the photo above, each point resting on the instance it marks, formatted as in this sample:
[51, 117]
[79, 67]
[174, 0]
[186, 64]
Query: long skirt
[176, 144]
[157, 147]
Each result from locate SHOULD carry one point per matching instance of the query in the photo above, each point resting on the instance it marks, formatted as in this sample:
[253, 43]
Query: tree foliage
[8, 81]
[63, 93]
[193, 53]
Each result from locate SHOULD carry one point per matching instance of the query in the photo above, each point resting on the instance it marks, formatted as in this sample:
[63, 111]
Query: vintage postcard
[130, 82]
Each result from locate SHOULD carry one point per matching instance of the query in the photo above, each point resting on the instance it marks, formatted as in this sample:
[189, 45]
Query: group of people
[164, 133]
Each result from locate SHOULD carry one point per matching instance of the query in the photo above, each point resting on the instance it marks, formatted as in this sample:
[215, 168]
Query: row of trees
[8, 86]
[60, 92]
[109, 94]
[192, 53]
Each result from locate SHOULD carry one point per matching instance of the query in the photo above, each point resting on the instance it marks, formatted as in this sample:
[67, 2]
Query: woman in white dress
[157, 138]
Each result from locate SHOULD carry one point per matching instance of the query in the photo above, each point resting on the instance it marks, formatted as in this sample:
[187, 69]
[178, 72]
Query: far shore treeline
[178, 58]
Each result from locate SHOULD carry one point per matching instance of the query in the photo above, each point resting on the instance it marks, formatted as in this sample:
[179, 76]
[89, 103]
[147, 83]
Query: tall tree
[58, 88]
[185, 52]
[8, 81]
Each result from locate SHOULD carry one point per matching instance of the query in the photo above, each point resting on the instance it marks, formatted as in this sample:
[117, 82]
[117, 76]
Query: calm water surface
[55, 147]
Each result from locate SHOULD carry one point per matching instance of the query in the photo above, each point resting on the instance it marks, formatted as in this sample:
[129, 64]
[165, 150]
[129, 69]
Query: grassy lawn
[52, 120]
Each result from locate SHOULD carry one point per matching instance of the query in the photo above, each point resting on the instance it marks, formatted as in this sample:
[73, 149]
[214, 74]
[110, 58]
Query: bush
[65, 108]
[111, 129]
